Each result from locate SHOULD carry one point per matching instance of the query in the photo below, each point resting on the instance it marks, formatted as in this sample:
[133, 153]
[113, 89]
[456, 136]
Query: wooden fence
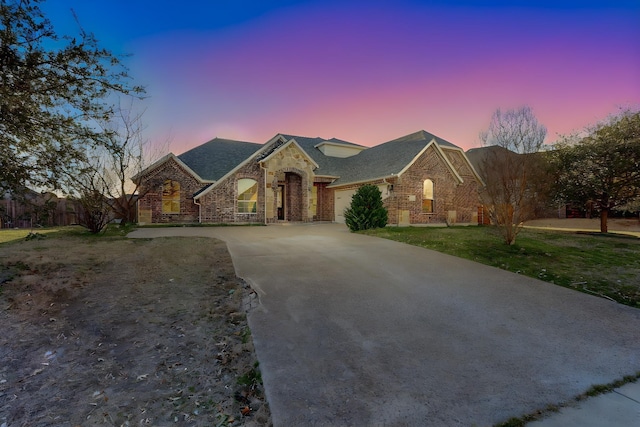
[40, 211]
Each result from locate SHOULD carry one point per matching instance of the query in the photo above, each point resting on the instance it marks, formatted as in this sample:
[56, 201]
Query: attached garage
[342, 201]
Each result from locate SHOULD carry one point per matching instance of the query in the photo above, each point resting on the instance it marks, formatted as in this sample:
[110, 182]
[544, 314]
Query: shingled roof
[213, 159]
[327, 165]
[386, 159]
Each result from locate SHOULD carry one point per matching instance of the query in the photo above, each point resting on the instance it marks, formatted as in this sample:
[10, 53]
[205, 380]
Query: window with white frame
[247, 195]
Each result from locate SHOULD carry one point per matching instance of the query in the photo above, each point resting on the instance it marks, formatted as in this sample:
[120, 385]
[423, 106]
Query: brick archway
[290, 195]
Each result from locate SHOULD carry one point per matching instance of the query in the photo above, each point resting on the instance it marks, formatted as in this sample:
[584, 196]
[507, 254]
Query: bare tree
[508, 166]
[95, 213]
[105, 181]
[125, 156]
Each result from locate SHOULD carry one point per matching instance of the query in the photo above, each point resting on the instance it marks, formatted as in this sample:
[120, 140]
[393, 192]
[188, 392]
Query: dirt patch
[125, 332]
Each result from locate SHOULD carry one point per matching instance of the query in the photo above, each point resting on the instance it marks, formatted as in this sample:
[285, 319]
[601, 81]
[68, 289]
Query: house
[423, 179]
[503, 169]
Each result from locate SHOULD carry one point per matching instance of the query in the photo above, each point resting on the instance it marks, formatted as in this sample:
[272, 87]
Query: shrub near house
[366, 210]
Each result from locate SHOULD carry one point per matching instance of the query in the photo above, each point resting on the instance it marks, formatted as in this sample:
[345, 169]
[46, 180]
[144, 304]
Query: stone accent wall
[291, 162]
[150, 205]
[219, 205]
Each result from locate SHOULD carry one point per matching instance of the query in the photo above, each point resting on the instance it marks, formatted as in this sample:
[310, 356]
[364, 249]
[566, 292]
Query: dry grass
[110, 331]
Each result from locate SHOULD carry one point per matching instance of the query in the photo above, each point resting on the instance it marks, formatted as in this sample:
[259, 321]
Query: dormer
[337, 149]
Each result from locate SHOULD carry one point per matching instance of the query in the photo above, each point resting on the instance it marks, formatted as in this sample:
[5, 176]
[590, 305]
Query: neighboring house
[487, 159]
[423, 179]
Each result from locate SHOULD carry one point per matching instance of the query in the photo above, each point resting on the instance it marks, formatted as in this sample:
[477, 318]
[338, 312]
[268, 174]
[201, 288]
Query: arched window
[427, 196]
[170, 196]
[247, 195]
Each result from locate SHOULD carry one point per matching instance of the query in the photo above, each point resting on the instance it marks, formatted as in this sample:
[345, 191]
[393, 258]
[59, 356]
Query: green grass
[251, 378]
[112, 231]
[11, 235]
[604, 265]
[593, 391]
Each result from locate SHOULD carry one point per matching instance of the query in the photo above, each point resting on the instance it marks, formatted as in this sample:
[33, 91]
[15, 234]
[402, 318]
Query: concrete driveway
[354, 330]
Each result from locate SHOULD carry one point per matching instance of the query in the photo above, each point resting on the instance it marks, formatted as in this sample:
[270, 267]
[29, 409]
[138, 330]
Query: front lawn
[604, 265]
[104, 330]
[12, 234]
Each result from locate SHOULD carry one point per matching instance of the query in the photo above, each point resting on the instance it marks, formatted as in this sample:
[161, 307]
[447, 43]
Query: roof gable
[264, 150]
[390, 158]
[440, 154]
[162, 161]
[292, 142]
[466, 160]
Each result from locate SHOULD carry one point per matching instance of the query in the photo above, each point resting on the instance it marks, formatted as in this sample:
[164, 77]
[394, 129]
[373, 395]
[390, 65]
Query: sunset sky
[366, 71]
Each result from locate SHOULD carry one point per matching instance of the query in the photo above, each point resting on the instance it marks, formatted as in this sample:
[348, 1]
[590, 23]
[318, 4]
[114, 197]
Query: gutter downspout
[389, 186]
[397, 200]
[199, 211]
[264, 186]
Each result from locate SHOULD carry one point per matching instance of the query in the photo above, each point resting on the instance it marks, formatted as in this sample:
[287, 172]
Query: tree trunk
[604, 215]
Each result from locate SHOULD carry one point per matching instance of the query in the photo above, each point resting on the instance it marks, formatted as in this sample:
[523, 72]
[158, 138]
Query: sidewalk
[620, 408]
[629, 227]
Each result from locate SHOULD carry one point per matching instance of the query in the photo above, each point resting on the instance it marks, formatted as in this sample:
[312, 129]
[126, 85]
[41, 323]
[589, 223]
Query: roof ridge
[422, 135]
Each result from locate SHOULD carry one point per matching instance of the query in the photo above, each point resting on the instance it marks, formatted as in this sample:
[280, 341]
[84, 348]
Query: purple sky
[367, 71]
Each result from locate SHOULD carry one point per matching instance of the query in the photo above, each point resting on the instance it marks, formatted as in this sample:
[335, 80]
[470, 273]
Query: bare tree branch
[511, 140]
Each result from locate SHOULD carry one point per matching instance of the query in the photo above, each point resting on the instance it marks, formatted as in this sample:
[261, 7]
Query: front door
[280, 202]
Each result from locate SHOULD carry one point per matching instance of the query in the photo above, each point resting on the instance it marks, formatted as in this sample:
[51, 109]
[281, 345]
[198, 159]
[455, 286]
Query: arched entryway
[290, 196]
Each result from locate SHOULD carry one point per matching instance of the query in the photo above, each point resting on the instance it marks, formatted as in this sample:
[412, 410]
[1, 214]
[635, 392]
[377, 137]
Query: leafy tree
[52, 89]
[366, 209]
[602, 168]
[508, 167]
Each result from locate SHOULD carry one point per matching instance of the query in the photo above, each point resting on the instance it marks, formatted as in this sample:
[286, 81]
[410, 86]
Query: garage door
[343, 201]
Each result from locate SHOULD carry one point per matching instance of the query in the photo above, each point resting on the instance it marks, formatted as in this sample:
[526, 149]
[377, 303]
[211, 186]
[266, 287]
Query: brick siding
[294, 199]
[150, 205]
[324, 203]
[449, 196]
[466, 197]
[452, 201]
[219, 205]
